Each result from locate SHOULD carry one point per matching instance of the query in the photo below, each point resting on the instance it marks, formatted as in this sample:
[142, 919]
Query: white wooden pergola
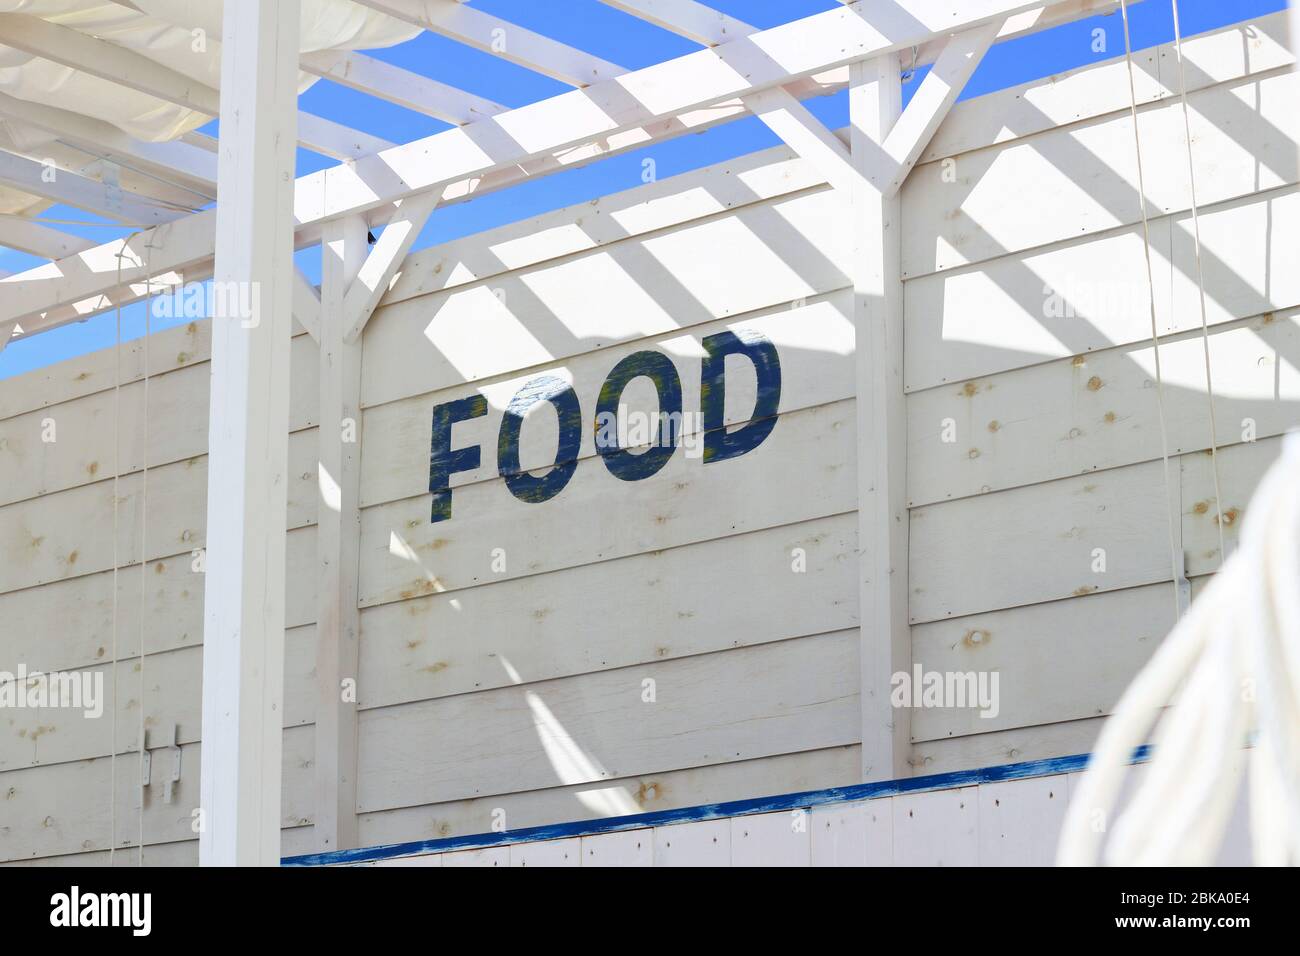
[264, 214]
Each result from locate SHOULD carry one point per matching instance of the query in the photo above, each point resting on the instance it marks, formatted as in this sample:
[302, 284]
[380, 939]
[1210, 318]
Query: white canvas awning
[54, 56]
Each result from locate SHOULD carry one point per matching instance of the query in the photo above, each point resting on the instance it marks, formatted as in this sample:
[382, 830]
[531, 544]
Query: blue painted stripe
[712, 811]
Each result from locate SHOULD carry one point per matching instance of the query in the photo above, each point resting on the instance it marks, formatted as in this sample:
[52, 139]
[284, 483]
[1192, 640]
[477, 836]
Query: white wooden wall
[62, 787]
[1057, 449]
[519, 692]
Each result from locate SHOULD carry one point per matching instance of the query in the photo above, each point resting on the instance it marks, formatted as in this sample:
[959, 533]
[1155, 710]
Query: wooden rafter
[365, 74]
[39, 240]
[511, 42]
[101, 198]
[687, 18]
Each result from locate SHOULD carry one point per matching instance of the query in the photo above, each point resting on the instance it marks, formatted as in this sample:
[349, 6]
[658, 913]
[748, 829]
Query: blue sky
[630, 43]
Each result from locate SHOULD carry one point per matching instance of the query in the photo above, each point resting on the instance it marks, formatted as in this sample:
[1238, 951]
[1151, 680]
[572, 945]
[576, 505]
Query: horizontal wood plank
[1097, 89]
[70, 533]
[66, 808]
[814, 343]
[804, 469]
[164, 685]
[761, 256]
[671, 790]
[1064, 660]
[707, 709]
[1244, 132]
[1088, 294]
[1100, 410]
[746, 589]
[1005, 746]
[1040, 543]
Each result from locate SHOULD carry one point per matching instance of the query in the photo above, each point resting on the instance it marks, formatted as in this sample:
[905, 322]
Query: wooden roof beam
[26, 235]
[687, 18]
[511, 42]
[412, 91]
[73, 189]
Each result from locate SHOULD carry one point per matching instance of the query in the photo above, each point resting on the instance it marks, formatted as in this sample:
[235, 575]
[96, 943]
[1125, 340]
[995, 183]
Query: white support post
[338, 541]
[244, 599]
[875, 104]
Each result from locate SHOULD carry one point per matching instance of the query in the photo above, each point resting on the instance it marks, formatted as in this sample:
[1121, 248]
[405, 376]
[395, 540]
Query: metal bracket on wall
[1181, 583]
[174, 778]
[1184, 585]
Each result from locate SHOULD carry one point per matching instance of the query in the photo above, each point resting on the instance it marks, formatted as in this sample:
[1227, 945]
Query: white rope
[1200, 279]
[144, 511]
[117, 472]
[1236, 658]
[144, 516]
[45, 220]
[1171, 513]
